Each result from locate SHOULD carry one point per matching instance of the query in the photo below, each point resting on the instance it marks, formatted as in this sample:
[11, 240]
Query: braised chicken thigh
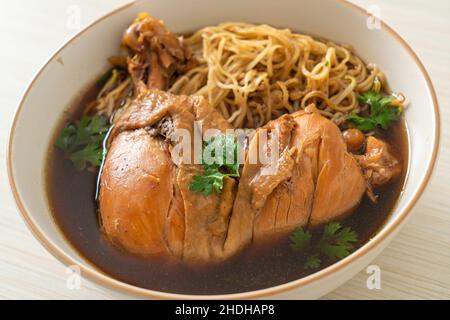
[147, 205]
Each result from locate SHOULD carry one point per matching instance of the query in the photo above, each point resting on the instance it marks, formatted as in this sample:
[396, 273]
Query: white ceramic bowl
[84, 57]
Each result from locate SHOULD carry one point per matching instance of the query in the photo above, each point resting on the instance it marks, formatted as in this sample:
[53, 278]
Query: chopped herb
[327, 63]
[312, 262]
[220, 159]
[81, 141]
[300, 240]
[335, 243]
[381, 114]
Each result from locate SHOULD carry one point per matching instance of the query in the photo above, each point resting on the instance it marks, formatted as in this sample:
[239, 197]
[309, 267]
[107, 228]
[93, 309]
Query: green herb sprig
[381, 112]
[335, 243]
[220, 159]
[81, 141]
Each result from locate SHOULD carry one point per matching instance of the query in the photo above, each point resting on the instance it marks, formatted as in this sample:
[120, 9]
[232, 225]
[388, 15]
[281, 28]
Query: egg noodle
[255, 73]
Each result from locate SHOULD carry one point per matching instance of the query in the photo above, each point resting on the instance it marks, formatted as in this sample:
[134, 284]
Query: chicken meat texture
[146, 205]
[378, 163]
[155, 53]
[145, 202]
[316, 180]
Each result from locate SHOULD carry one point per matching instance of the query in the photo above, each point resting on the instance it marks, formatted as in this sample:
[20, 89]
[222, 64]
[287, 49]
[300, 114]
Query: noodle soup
[225, 227]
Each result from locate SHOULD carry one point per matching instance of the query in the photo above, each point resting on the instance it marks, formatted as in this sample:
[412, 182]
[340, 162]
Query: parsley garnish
[220, 159]
[335, 243]
[81, 141]
[381, 114]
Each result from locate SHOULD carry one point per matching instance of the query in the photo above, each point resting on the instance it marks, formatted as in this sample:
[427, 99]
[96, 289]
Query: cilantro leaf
[372, 99]
[220, 159]
[335, 243]
[300, 240]
[90, 154]
[221, 151]
[364, 124]
[329, 231]
[388, 115]
[211, 180]
[381, 112]
[81, 141]
[312, 262]
[67, 137]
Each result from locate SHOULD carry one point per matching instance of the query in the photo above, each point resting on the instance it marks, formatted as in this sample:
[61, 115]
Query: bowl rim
[101, 278]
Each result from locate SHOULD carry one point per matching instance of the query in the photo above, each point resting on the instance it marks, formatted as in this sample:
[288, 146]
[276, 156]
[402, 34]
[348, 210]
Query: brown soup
[71, 196]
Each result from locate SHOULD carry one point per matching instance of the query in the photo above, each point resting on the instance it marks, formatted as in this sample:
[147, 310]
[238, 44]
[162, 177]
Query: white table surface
[415, 265]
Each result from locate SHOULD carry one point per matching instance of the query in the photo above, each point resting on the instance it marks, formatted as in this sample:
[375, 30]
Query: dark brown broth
[71, 196]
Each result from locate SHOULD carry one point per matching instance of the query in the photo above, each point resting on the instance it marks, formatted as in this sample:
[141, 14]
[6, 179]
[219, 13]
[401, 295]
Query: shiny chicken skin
[146, 205]
[145, 202]
[316, 180]
[136, 192]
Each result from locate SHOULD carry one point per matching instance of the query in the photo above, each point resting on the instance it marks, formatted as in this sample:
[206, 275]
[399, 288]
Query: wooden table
[415, 265]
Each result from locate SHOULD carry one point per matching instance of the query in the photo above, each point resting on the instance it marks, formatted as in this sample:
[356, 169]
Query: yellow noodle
[254, 73]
